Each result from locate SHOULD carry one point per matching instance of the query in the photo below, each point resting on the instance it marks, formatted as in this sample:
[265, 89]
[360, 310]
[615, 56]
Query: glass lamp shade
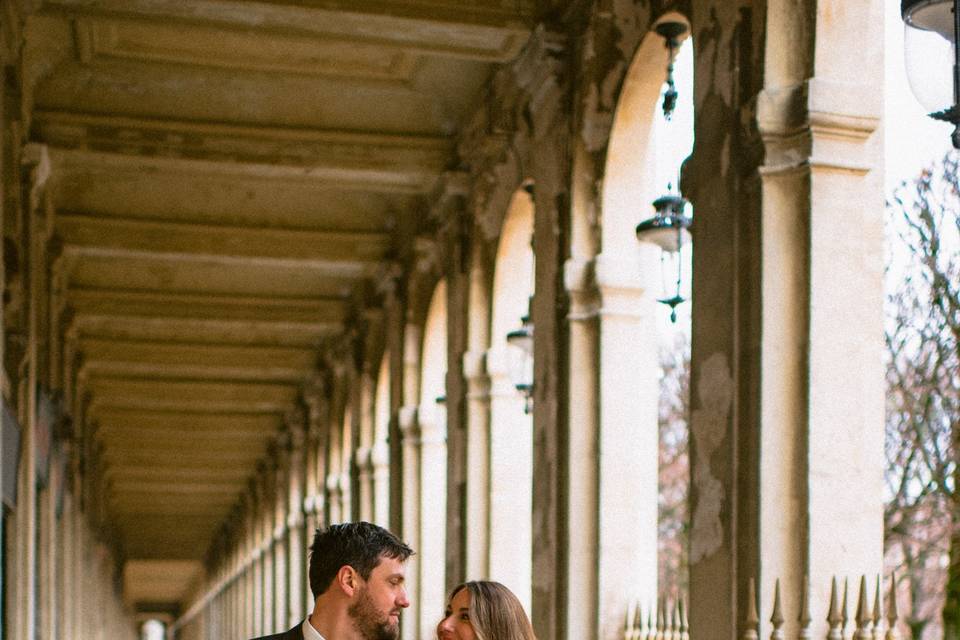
[669, 228]
[930, 56]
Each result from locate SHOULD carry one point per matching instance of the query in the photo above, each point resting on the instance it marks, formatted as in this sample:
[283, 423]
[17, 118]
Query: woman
[484, 610]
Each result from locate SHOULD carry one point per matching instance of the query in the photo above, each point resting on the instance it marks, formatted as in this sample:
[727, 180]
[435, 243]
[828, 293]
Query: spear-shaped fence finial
[893, 615]
[878, 609]
[833, 615]
[804, 619]
[776, 618]
[684, 622]
[752, 623]
[864, 621]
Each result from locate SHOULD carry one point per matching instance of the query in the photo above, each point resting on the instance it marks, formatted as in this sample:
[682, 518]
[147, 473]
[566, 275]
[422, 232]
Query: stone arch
[614, 283]
[630, 174]
[511, 429]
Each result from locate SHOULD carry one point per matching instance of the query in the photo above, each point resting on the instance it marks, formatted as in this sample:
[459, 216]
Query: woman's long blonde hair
[495, 613]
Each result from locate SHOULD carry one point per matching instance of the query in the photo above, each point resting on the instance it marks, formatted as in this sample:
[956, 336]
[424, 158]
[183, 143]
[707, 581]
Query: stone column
[295, 543]
[268, 505]
[478, 463]
[510, 499]
[410, 437]
[252, 600]
[380, 473]
[334, 448]
[433, 519]
[364, 483]
[280, 540]
[389, 286]
[364, 440]
[613, 403]
[410, 430]
[787, 385]
[314, 502]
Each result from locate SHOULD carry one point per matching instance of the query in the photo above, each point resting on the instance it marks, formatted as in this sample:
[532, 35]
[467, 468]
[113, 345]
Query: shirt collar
[309, 633]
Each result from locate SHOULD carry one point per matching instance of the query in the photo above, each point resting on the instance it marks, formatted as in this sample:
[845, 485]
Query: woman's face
[456, 624]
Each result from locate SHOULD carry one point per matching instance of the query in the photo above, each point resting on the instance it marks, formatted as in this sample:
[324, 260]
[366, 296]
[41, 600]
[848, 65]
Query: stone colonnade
[785, 183]
[786, 377]
[61, 565]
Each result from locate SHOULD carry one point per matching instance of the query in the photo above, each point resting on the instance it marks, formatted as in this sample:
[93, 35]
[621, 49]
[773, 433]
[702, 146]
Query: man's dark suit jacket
[294, 634]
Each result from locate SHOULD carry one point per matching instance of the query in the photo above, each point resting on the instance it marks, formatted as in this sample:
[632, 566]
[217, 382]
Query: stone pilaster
[280, 531]
[410, 433]
[478, 463]
[295, 517]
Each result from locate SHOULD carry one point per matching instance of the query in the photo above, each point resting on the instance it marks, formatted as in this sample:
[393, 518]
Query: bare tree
[922, 514]
[674, 464]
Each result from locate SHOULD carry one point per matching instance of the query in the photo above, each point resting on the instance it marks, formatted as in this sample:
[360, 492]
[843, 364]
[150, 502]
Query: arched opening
[153, 629]
[511, 427]
[642, 354]
[433, 459]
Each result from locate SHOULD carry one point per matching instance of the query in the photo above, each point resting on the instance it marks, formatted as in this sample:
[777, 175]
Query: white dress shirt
[309, 633]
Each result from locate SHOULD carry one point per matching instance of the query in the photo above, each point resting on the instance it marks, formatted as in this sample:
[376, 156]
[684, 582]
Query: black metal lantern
[669, 228]
[932, 28]
[521, 360]
[670, 32]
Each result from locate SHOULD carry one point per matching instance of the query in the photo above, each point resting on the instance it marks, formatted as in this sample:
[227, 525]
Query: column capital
[380, 455]
[362, 458]
[579, 279]
[388, 277]
[407, 420]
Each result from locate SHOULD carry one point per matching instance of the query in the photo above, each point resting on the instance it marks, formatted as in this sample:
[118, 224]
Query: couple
[357, 579]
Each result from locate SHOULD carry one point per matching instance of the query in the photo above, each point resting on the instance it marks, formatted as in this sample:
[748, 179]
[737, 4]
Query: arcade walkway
[260, 264]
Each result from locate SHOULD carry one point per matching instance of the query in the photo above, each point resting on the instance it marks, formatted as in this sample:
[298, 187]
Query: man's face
[376, 609]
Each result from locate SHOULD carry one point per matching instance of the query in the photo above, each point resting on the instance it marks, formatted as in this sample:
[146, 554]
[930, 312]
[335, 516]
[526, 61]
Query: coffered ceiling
[227, 177]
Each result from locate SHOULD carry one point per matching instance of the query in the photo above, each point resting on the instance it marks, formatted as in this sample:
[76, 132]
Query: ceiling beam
[231, 331]
[336, 254]
[483, 30]
[174, 420]
[162, 459]
[214, 447]
[285, 245]
[197, 395]
[172, 360]
[183, 434]
[192, 489]
[375, 162]
[120, 474]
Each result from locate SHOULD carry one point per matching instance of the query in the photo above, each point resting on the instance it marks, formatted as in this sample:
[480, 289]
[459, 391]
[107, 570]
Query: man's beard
[369, 621]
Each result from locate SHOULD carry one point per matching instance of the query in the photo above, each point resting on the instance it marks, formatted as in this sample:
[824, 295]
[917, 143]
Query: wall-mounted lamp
[932, 29]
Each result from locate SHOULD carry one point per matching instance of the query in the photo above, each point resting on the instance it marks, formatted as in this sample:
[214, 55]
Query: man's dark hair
[360, 545]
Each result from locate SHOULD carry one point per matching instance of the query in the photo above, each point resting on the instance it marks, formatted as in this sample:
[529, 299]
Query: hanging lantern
[520, 361]
[670, 32]
[669, 229]
[932, 28]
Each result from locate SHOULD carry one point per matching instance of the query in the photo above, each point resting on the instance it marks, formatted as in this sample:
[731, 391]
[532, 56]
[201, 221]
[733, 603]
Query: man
[357, 581]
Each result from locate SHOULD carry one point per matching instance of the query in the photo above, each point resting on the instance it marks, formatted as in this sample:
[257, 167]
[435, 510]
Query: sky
[913, 140]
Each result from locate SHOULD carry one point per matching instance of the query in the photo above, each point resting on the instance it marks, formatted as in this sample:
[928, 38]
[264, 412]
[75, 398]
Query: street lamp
[932, 28]
[520, 360]
[669, 228]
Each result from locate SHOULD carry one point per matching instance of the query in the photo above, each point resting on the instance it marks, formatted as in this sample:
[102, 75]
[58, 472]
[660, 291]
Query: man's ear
[347, 580]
